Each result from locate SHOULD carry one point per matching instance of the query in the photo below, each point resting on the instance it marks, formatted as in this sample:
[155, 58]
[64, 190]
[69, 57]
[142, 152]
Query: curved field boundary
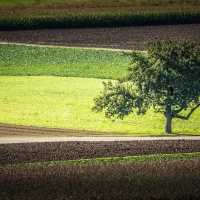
[67, 47]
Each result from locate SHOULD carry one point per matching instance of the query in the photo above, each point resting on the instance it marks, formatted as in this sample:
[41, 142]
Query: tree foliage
[166, 78]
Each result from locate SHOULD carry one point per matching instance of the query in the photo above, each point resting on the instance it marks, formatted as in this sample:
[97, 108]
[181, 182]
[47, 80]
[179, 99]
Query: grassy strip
[125, 159]
[98, 2]
[21, 60]
[98, 17]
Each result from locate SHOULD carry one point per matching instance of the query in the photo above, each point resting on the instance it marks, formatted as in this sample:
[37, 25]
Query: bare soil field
[8, 130]
[53, 151]
[128, 38]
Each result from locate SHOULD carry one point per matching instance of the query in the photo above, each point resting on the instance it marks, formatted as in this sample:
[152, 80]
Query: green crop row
[98, 18]
[96, 3]
[109, 160]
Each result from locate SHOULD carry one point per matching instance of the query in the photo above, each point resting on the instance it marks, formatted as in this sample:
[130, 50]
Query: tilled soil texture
[52, 151]
[8, 130]
[128, 38]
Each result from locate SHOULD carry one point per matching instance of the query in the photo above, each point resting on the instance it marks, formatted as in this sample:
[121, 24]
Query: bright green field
[66, 103]
[55, 87]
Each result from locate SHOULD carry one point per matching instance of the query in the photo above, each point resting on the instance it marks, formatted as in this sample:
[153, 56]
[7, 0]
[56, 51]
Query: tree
[166, 78]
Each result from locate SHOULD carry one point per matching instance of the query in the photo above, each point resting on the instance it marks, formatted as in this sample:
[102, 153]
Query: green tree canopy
[166, 78]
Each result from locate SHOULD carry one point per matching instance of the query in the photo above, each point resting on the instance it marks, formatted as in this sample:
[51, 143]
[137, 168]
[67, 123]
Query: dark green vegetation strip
[21, 60]
[102, 14]
[97, 3]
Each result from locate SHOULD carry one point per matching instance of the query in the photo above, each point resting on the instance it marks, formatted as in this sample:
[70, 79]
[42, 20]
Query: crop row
[98, 18]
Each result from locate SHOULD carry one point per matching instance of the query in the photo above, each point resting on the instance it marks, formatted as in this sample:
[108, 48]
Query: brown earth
[52, 151]
[115, 38]
[11, 130]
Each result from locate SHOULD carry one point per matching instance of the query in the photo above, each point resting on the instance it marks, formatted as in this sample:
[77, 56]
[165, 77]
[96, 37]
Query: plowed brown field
[52, 151]
[116, 38]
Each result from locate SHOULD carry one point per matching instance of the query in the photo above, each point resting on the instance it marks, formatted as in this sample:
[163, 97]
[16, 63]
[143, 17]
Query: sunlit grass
[61, 102]
[65, 102]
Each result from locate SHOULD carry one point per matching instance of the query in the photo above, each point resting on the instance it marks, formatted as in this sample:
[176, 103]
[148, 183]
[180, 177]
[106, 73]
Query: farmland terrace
[128, 38]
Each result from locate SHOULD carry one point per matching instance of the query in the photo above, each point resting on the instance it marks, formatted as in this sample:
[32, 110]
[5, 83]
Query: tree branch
[189, 114]
[178, 111]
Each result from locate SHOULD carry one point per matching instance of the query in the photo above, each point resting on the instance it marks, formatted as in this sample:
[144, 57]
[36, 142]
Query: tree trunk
[168, 127]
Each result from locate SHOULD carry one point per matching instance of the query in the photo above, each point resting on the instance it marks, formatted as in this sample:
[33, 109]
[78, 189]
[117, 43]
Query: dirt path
[92, 139]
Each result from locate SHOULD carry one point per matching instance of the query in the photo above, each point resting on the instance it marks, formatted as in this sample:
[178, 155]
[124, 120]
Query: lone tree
[166, 78]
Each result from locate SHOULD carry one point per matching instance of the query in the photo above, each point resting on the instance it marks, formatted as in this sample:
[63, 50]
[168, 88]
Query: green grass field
[16, 60]
[55, 87]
